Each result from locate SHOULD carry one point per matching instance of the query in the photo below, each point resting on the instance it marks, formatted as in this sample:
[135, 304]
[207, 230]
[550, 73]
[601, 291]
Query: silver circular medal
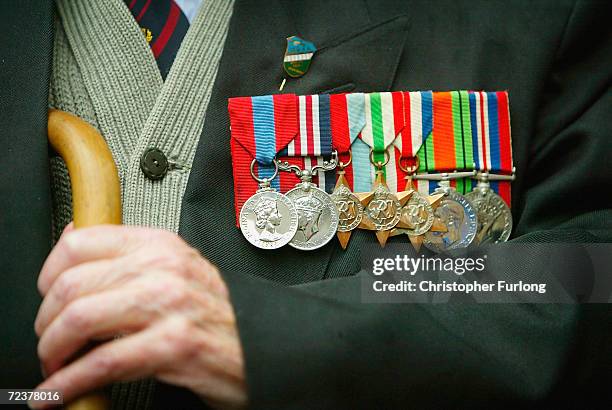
[350, 209]
[460, 219]
[418, 214]
[384, 210]
[317, 216]
[268, 219]
[494, 216]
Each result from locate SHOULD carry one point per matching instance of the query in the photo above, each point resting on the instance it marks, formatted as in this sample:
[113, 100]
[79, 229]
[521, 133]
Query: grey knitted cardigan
[104, 72]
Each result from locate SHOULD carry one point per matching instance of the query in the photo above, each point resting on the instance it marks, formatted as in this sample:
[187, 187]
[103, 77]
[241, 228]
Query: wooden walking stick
[96, 192]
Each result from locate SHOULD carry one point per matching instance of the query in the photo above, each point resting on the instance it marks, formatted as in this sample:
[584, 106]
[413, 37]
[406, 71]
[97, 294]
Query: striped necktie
[164, 25]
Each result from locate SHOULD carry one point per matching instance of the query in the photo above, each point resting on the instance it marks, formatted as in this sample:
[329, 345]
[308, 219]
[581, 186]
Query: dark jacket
[309, 342]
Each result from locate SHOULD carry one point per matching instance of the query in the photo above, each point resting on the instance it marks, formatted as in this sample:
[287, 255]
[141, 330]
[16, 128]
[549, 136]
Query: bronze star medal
[417, 216]
[350, 206]
[384, 209]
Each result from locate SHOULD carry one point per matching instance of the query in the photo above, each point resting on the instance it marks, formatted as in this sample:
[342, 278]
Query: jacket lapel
[252, 65]
[25, 221]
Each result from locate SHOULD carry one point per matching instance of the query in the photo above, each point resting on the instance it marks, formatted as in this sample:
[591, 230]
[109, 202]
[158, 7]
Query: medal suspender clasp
[306, 174]
[444, 178]
[484, 177]
[328, 165]
[264, 183]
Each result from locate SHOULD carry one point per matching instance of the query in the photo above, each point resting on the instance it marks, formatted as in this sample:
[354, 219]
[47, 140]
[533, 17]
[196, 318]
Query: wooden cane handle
[96, 192]
[90, 401]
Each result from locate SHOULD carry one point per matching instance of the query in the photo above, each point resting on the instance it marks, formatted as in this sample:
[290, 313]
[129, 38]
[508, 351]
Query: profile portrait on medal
[451, 214]
[309, 212]
[267, 219]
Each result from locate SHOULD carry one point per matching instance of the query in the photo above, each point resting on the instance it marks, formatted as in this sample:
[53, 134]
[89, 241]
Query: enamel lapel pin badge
[298, 57]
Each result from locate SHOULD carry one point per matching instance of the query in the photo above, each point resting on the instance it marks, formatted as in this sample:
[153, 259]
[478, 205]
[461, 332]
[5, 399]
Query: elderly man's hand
[168, 303]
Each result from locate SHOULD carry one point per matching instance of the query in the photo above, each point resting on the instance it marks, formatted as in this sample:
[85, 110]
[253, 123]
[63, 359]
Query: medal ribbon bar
[312, 143]
[384, 113]
[347, 120]
[450, 146]
[260, 127]
[448, 131]
[491, 137]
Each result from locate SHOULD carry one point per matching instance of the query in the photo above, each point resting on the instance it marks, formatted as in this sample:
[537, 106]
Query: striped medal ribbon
[418, 123]
[418, 120]
[312, 144]
[260, 127]
[309, 156]
[347, 120]
[450, 146]
[385, 120]
[446, 164]
[418, 212]
[384, 113]
[491, 137]
[493, 159]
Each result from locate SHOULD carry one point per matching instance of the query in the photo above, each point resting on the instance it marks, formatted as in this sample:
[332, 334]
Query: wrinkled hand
[169, 304]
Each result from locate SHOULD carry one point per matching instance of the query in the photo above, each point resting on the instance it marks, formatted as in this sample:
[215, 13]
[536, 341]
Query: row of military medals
[307, 217]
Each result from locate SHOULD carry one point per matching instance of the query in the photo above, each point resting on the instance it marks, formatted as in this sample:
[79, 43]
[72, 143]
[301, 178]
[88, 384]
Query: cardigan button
[154, 164]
